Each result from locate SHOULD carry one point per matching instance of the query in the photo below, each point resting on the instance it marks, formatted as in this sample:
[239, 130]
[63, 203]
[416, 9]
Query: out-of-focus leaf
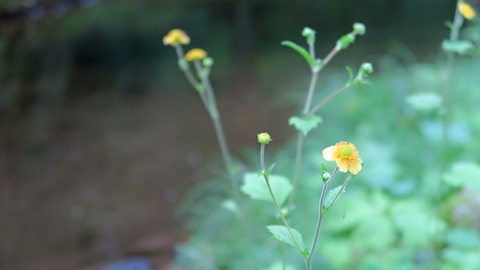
[255, 187]
[425, 101]
[304, 125]
[462, 238]
[281, 233]
[460, 46]
[331, 196]
[463, 174]
[301, 51]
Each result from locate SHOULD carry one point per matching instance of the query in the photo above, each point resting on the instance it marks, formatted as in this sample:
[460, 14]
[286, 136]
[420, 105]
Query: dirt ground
[84, 186]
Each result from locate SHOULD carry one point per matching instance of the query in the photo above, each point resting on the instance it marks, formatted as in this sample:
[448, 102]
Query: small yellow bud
[176, 37]
[195, 54]
[264, 138]
[467, 10]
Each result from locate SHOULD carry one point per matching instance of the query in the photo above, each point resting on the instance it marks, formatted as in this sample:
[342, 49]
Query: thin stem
[311, 89]
[281, 214]
[190, 77]
[298, 162]
[212, 108]
[320, 217]
[340, 191]
[327, 99]
[300, 136]
[262, 162]
[329, 57]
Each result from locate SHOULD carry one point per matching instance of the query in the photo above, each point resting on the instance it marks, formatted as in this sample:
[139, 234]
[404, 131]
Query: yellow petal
[355, 166]
[466, 10]
[342, 165]
[328, 153]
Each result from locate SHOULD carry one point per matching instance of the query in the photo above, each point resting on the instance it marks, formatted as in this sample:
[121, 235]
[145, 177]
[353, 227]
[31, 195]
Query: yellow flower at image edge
[345, 154]
[176, 37]
[195, 54]
[466, 10]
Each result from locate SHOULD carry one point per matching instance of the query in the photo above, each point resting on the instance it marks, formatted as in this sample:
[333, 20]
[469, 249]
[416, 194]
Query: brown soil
[84, 186]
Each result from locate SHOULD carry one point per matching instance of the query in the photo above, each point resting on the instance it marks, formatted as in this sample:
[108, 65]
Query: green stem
[212, 108]
[262, 162]
[190, 77]
[340, 191]
[316, 108]
[320, 219]
[300, 136]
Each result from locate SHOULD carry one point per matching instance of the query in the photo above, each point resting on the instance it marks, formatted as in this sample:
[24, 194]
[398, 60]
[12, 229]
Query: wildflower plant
[277, 189]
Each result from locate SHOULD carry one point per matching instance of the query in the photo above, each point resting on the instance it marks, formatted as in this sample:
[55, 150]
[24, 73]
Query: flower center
[346, 151]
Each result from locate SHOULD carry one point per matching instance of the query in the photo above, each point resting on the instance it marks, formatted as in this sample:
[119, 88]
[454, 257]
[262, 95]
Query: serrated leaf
[331, 196]
[460, 46]
[304, 125]
[424, 101]
[301, 51]
[281, 233]
[254, 186]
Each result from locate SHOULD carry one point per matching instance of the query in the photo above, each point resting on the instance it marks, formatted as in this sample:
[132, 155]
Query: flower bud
[367, 67]
[207, 62]
[326, 176]
[345, 41]
[264, 138]
[359, 28]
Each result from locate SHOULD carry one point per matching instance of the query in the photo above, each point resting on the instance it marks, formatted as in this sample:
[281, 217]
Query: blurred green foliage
[403, 211]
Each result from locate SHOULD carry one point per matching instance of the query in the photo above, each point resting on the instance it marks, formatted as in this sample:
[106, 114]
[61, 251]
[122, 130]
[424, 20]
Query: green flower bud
[367, 67]
[264, 138]
[359, 28]
[345, 41]
[309, 33]
[207, 62]
[326, 176]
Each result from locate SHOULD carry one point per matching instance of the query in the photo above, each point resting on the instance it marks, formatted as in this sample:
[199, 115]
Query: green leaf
[304, 125]
[462, 238]
[350, 75]
[331, 196]
[279, 266]
[424, 101]
[301, 51]
[254, 186]
[230, 205]
[460, 46]
[269, 170]
[463, 174]
[281, 233]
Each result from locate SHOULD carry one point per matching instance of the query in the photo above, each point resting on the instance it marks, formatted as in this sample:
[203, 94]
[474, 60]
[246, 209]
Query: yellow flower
[195, 54]
[345, 155]
[264, 138]
[466, 10]
[176, 37]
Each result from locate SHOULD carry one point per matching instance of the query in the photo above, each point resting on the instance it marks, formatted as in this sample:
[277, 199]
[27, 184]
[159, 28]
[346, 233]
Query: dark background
[101, 134]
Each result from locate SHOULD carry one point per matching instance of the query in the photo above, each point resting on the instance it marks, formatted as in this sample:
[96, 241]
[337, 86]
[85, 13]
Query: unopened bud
[264, 138]
[359, 28]
[326, 176]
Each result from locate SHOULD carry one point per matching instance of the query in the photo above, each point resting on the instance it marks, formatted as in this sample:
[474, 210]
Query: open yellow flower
[195, 54]
[176, 37]
[345, 154]
[467, 10]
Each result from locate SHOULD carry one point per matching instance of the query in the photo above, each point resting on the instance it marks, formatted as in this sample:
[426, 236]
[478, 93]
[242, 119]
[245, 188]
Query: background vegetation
[101, 137]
